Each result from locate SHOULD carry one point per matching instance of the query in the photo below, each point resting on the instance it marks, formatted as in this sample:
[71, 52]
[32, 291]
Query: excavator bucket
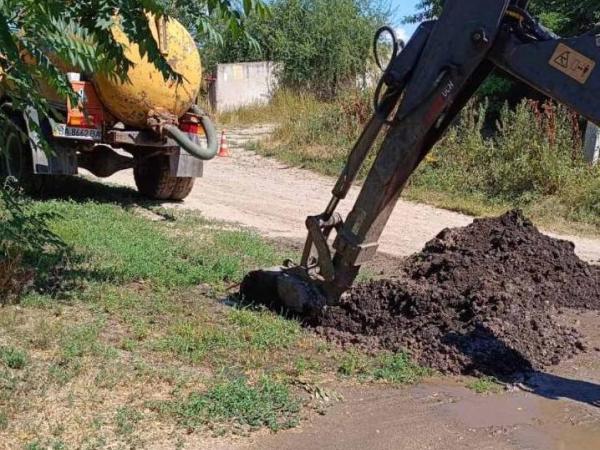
[282, 288]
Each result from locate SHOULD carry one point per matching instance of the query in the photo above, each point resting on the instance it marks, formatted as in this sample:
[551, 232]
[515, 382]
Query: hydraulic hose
[200, 152]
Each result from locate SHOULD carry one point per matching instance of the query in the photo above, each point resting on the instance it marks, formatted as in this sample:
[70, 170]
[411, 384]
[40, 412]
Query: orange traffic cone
[224, 149]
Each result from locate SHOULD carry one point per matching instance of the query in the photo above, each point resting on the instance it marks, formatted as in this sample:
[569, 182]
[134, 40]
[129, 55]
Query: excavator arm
[426, 86]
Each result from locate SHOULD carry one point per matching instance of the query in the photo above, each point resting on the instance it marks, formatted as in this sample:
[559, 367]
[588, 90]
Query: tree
[565, 17]
[323, 45]
[36, 37]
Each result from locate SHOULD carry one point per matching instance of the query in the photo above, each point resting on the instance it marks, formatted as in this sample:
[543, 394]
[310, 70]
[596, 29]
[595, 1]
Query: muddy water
[442, 414]
[527, 421]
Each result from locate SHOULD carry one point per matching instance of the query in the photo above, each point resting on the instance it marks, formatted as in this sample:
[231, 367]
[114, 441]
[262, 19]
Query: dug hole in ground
[496, 298]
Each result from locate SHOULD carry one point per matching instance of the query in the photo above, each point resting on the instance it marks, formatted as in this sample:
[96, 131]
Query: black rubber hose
[397, 45]
[212, 138]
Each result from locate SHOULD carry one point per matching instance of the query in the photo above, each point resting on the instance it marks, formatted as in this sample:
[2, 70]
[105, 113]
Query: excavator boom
[426, 86]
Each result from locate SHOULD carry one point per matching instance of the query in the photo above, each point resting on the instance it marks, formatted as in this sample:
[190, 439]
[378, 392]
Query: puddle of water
[558, 438]
[579, 438]
[507, 410]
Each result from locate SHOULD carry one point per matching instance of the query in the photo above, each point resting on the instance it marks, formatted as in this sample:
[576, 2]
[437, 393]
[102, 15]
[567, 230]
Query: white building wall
[243, 84]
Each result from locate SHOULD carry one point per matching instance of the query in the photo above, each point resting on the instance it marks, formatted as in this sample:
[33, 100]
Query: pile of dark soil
[479, 299]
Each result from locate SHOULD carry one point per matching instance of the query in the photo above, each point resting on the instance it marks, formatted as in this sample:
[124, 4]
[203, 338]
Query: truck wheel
[183, 187]
[15, 159]
[153, 179]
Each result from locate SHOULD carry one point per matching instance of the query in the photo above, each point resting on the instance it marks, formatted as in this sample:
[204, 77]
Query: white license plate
[84, 134]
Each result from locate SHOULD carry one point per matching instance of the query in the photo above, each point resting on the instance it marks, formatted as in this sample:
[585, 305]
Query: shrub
[534, 153]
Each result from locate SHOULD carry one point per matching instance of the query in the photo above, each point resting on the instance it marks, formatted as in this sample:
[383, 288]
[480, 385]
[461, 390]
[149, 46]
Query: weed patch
[485, 385]
[13, 358]
[126, 420]
[397, 368]
[267, 403]
[76, 344]
[263, 330]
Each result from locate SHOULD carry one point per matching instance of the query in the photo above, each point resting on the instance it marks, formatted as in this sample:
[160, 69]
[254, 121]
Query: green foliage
[426, 9]
[13, 357]
[394, 368]
[326, 133]
[485, 385]
[565, 17]
[534, 155]
[218, 21]
[323, 45]
[268, 403]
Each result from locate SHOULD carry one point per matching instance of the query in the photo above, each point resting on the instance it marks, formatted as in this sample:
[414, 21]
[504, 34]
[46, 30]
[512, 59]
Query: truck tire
[153, 180]
[16, 161]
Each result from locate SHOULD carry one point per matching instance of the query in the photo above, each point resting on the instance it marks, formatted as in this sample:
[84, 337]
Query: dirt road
[275, 199]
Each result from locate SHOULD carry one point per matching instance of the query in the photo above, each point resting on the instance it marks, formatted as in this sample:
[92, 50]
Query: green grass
[245, 337]
[485, 385]
[13, 358]
[396, 368]
[52, 445]
[126, 420]
[119, 246]
[267, 403]
[80, 341]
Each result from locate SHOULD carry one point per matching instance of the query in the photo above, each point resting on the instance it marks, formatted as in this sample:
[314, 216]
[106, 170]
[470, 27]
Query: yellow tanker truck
[148, 124]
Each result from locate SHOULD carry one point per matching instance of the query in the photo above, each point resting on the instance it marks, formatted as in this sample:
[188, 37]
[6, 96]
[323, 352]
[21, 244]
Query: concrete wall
[243, 84]
[592, 144]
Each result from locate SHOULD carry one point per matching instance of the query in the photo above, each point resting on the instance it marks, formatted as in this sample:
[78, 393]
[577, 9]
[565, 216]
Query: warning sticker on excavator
[572, 63]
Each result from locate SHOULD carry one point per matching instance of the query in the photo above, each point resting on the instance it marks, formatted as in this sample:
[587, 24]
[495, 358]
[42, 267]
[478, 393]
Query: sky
[404, 8]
